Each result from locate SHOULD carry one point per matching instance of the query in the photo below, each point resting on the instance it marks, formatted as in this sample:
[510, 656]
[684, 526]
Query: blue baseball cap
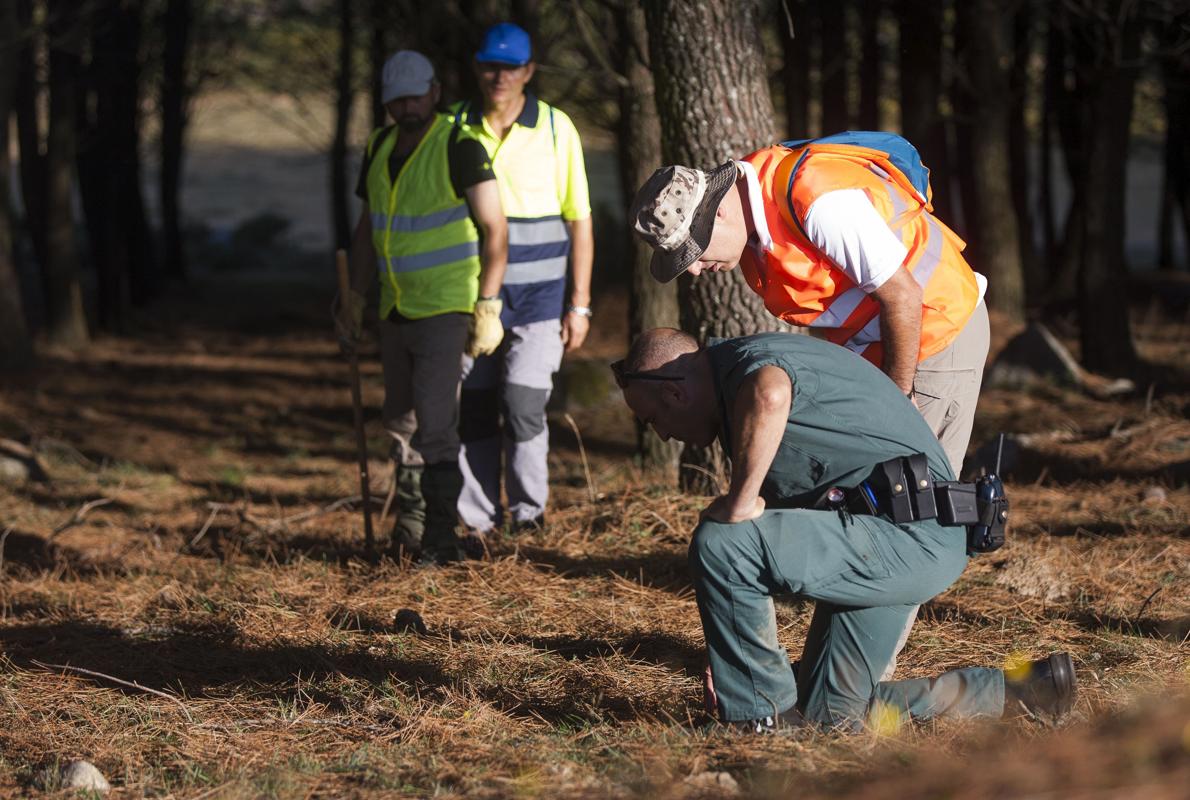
[505, 43]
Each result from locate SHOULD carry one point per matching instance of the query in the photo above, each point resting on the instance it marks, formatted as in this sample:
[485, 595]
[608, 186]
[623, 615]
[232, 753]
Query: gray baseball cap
[407, 73]
[674, 213]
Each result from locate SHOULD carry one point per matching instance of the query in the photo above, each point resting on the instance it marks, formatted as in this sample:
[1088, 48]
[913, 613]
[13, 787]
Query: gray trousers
[503, 418]
[866, 576]
[422, 361]
[946, 389]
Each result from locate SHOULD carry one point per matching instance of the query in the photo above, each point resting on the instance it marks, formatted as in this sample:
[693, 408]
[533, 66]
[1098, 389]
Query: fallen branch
[82, 511]
[205, 527]
[132, 684]
[277, 524]
[1143, 606]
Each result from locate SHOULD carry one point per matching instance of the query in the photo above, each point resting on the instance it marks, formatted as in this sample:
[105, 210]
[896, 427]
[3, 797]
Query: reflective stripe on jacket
[427, 247]
[803, 287]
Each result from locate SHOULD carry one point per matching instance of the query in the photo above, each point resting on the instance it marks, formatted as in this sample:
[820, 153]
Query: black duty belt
[903, 490]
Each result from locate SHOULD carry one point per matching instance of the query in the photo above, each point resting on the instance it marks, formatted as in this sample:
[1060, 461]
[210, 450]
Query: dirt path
[194, 539]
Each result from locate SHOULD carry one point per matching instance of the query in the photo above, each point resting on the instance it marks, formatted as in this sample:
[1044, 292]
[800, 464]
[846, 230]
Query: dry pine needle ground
[191, 546]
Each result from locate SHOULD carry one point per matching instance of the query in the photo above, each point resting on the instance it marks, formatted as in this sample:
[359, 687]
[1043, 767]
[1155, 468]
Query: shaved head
[669, 385]
[658, 347]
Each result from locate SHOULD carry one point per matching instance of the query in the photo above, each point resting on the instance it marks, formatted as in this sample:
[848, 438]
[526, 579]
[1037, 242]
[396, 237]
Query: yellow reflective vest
[427, 247]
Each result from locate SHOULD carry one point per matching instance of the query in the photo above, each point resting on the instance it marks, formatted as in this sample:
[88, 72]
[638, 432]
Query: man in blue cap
[538, 160]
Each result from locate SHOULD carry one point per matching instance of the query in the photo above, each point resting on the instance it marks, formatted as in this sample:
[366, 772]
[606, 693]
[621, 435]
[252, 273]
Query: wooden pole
[357, 408]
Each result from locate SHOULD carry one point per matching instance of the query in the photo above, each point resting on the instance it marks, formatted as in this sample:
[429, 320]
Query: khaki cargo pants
[946, 390]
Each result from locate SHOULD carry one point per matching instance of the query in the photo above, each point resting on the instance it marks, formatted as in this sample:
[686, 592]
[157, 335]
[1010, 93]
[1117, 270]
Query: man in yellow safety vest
[433, 236]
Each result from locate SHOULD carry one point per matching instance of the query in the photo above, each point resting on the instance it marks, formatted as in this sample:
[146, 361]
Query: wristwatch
[582, 311]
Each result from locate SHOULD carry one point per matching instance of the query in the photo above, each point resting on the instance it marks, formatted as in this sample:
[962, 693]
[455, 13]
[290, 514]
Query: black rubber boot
[441, 485]
[410, 522]
[1042, 689]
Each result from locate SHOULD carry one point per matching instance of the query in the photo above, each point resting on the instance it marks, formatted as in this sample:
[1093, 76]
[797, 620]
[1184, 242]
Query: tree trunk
[1175, 204]
[1071, 111]
[1018, 142]
[527, 14]
[713, 102]
[378, 54]
[921, 85]
[796, 68]
[340, 212]
[133, 220]
[92, 153]
[15, 347]
[991, 215]
[177, 27]
[1051, 91]
[870, 12]
[1111, 70]
[66, 317]
[109, 165]
[832, 66]
[653, 304]
[29, 129]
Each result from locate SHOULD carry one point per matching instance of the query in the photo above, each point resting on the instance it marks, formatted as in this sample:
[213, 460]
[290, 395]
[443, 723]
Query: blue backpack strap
[901, 153]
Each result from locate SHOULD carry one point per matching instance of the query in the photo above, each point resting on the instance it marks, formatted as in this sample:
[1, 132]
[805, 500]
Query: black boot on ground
[410, 523]
[441, 485]
[1044, 689]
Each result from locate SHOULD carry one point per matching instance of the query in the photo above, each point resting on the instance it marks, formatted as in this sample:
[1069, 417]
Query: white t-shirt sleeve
[848, 229]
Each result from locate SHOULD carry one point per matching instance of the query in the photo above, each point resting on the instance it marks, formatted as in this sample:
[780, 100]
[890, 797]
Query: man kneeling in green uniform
[805, 424]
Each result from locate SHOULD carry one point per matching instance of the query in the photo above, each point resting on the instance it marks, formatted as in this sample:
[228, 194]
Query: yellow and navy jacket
[426, 244]
[543, 185]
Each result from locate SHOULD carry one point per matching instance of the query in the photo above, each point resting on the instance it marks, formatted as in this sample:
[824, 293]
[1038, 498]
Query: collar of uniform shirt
[764, 240]
[527, 117]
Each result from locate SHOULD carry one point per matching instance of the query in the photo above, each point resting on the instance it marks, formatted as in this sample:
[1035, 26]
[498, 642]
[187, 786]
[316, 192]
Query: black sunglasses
[623, 377]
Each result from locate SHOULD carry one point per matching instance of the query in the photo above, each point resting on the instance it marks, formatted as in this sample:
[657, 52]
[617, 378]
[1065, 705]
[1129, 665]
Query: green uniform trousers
[867, 575]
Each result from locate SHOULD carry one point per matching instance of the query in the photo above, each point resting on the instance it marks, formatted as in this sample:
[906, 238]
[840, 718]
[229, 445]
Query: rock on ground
[408, 620]
[84, 775]
[1035, 355]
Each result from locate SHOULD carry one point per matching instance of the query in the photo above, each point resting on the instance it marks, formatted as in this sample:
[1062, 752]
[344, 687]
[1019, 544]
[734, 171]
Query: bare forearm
[494, 258]
[759, 418]
[582, 257]
[362, 260]
[900, 301]
[900, 330]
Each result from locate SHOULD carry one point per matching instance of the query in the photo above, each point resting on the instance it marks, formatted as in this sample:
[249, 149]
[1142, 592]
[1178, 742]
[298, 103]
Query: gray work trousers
[503, 418]
[946, 390]
[422, 361]
[866, 575]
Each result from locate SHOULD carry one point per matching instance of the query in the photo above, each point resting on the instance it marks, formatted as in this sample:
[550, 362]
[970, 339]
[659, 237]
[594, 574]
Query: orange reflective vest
[802, 286]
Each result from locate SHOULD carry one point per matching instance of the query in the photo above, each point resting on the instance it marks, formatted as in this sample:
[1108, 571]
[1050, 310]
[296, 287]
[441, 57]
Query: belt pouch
[956, 503]
[920, 486]
[892, 489]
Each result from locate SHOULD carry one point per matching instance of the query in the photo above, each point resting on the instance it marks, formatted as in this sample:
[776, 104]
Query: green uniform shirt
[846, 415]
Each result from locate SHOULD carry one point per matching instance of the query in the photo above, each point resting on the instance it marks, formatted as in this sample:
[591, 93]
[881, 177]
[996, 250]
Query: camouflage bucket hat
[674, 213]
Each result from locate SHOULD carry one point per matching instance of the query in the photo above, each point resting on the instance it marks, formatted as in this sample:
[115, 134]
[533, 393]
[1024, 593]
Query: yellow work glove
[349, 319]
[486, 332]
